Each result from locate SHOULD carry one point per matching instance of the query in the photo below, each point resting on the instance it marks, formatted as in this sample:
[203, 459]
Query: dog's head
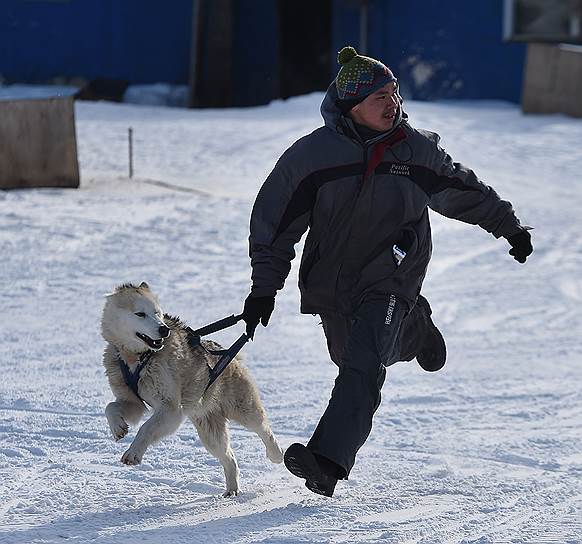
[133, 320]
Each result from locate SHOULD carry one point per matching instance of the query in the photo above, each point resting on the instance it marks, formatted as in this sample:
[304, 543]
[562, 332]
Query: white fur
[173, 383]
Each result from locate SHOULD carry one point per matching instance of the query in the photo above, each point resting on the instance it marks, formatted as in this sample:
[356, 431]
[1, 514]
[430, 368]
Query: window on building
[543, 21]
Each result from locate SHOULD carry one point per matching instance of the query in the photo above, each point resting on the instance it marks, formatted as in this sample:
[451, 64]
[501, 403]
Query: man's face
[378, 111]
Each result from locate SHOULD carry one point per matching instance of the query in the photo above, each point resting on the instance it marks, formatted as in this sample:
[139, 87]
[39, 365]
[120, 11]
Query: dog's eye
[140, 314]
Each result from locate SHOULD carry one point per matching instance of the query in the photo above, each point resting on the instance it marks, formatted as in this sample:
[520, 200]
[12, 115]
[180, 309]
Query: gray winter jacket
[358, 199]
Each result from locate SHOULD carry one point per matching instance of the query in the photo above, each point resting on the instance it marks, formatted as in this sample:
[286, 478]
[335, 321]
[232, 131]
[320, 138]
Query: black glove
[257, 309]
[521, 247]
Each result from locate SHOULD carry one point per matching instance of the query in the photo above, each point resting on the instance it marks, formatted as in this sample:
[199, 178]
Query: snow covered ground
[488, 450]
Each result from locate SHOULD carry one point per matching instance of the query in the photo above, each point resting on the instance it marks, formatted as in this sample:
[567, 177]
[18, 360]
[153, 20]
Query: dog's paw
[119, 428]
[231, 493]
[275, 454]
[131, 457]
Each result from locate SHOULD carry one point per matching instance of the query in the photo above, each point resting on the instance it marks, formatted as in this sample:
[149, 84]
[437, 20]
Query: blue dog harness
[132, 378]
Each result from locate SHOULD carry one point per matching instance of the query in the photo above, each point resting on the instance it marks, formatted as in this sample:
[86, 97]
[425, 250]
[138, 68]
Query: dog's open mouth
[150, 342]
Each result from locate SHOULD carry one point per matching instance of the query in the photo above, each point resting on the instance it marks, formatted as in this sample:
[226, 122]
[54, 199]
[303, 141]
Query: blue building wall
[438, 49]
[255, 52]
[143, 41]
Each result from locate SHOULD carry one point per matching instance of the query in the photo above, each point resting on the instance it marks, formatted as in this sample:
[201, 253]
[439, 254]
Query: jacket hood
[335, 119]
[330, 111]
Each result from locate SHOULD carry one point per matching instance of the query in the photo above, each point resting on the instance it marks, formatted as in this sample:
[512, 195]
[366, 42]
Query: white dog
[170, 373]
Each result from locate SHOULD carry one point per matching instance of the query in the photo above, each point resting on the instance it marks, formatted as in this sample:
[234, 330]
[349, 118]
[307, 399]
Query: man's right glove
[257, 309]
[521, 247]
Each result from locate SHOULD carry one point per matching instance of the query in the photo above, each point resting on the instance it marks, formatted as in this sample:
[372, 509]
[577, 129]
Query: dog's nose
[164, 331]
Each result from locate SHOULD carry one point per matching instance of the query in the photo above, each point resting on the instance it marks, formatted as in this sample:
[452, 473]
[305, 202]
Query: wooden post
[214, 85]
[363, 46]
[194, 53]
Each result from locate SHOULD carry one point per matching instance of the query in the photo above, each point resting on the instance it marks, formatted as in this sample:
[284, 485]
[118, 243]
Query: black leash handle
[216, 326]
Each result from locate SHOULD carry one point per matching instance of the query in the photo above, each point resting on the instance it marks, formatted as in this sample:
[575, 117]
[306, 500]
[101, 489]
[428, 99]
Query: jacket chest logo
[400, 170]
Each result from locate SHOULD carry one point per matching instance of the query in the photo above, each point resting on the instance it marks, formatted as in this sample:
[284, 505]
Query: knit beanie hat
[359, 76]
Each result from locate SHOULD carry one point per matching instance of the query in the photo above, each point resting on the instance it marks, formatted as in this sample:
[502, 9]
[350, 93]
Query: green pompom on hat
[346, 55]
[360, 76]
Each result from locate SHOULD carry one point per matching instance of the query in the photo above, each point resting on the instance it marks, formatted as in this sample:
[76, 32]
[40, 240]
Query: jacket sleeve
[279, 218]
[459, 194]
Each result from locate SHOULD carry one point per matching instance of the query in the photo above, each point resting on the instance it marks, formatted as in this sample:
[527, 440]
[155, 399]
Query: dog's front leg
[165, 420]
[120, 414]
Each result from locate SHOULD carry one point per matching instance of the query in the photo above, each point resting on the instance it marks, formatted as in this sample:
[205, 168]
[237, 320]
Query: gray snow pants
[362, 346]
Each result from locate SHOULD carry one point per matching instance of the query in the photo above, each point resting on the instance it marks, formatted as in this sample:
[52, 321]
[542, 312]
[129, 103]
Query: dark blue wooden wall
[143, 41]
[438, 48]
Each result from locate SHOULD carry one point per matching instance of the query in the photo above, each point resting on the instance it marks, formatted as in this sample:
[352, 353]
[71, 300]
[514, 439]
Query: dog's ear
[144, 285]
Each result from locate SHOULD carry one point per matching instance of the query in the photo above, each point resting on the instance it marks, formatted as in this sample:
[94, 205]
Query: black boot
[320, 474]
[420, 338]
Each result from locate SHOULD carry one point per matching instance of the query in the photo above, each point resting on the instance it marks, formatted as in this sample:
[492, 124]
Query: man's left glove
[257, 309]
[521, 247]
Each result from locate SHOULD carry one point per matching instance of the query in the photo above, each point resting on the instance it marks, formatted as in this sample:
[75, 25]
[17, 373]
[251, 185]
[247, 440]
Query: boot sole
[301, 463]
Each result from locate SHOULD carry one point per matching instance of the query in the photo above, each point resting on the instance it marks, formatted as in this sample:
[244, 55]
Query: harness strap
[130, 378]
[227, 356]
[195, 341]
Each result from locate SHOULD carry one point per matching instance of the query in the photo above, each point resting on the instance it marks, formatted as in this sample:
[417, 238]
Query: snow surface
[486, 451]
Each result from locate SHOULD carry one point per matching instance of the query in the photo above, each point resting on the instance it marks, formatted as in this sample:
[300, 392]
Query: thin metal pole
[130, 137]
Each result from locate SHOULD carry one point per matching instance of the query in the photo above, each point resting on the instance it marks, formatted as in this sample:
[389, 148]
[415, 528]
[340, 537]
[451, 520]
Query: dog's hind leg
[213, 433]
[164, 421]
[120, 413]
[255, 419]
